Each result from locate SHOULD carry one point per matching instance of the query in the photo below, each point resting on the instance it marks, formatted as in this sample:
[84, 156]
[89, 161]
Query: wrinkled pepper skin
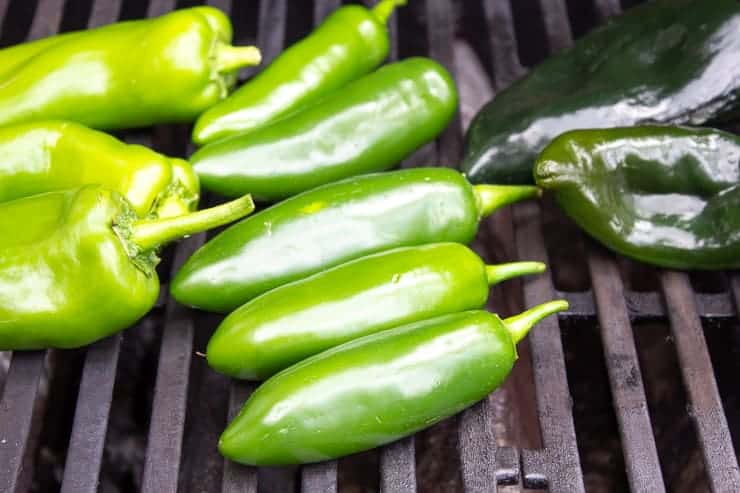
[333, 224]
[363, 296]
[667, 61]
[78, 265]
[368, 126]
[45, 156]
[351, 42]
[377, 389]
[129, 74]
[668, 196]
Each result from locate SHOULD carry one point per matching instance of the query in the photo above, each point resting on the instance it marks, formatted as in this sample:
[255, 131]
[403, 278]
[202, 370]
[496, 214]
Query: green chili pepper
[78, 265]
[377, 389]
[53, 155]
[128, 74]
[364, 296]
[349, 43]
[370, 125]
[668, 196]
[668, 61]
[332, 224]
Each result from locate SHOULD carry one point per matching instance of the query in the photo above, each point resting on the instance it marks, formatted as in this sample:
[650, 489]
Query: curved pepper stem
[502, 272]
[492, 197]
[519, 325]
[385, 8]
[148, 234]
[232, 58]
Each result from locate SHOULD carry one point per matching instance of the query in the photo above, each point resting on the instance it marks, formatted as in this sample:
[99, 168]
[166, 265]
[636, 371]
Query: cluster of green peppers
[353, 275]
[355, 297]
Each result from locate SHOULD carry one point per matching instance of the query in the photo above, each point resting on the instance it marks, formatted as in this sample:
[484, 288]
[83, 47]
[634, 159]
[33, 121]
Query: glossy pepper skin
[668, 196]
[45, 156]
[333, 224]
[129, 74]
[377, 389]
[351, 42]
[368, 126]
[78, 265]
[667, 61]
[363, 296]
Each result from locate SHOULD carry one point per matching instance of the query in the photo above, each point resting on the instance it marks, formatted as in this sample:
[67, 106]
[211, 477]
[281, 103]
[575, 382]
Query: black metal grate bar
[16, 413]
[558, 464]
[644, 306]
[46, 19]
[698, 375]
[628, 393]
[238, 478]
[164, 445]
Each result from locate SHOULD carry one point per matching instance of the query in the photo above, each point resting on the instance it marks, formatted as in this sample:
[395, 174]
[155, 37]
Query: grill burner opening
[634, 387]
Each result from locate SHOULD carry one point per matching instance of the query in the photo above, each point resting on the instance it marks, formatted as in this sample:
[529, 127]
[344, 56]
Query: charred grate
[605, 303]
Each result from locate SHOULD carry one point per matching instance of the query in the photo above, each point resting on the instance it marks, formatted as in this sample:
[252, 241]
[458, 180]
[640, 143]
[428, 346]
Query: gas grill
[634, 387]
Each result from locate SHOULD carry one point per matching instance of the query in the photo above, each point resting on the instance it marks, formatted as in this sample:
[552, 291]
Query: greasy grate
[607, 304]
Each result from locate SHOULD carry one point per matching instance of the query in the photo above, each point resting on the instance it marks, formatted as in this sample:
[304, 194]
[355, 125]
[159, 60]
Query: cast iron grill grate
[175, 445]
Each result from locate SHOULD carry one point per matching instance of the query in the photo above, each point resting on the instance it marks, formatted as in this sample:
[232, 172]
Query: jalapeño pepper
[667, 61]
[53, 155]
[377, 389]
[129, 74]
[335, 223]
[78, 265]
[361, 297]
[370, 125]
[349, 43]
[668, 196]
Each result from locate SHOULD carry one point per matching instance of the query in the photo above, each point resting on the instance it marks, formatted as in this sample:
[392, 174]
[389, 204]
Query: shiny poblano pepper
[129, 74]
[368, 126]
[78, 265]
[667, 61]
[333, 224]
[355, 299]
[668, 196]
[352, 41]
[377, 389]
[45, 156]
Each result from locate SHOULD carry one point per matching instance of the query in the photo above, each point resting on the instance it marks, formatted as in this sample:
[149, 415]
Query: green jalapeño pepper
[668, 196]
[377, 389]
[78, 265]
[363, 296]
[351, 42]
[333, 224]
[667, 61]
[370, 125]
[129, 74]
[45, 156]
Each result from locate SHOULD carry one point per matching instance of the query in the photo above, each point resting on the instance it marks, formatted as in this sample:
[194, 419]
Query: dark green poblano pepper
[128, 74]
[378, 388]
[45, 156]
[333, 224]
[668, 196]
[361, 297]
[666, 61]
[351, 42]
[78, 265]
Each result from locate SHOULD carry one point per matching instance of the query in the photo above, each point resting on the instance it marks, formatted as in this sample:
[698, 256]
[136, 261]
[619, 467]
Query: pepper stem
[492, 197]
[385, 8]
[502, 272]
[148, 234]
[519, 325]
[232, 58]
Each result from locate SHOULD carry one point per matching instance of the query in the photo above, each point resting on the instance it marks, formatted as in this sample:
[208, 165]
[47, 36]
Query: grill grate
[608, 304]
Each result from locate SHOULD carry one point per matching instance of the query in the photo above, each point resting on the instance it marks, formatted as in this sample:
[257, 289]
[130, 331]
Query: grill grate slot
[514, 233]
